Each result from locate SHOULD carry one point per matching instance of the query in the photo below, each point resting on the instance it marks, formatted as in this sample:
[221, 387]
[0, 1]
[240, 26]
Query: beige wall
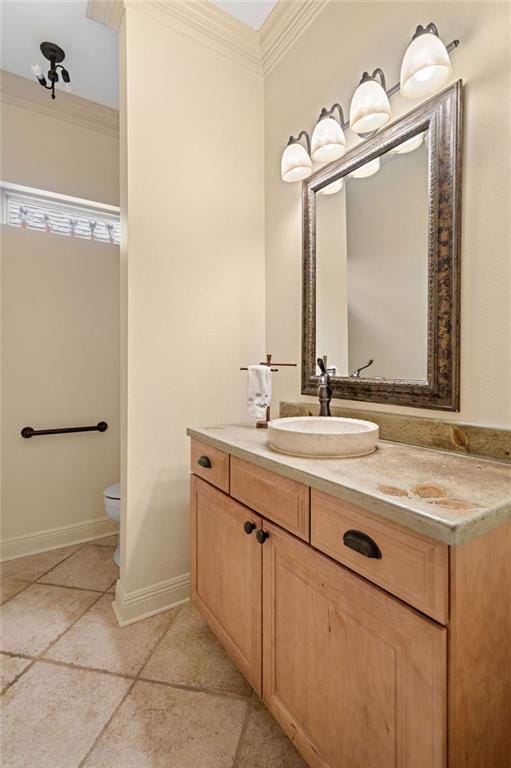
[60, 311]
[388, 268]
[60, 357]
[323, 67]
[193, 188]
[56, 155]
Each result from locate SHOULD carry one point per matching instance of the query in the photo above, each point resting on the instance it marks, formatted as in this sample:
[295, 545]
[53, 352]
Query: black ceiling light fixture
[55, 56]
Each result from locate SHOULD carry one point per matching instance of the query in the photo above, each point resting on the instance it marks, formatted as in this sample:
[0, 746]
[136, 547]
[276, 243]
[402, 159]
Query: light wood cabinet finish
[277, 498]
[226, 575]
[480, 652]
[357, 679]
[412, 567]
[218, 473]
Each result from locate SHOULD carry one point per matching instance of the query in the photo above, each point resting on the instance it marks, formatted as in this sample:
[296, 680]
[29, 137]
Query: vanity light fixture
[425, 68]
[55, 56]
[328, 139]
[370, 106]
[296, 163]
[426, 64]
[332, 188]
[410, 145]
[366, 170]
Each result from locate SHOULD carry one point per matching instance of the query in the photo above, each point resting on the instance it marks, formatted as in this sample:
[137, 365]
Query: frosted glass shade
[328, 141]
[410, 145]
[332, 188]
[296, 163]
[425, 68]
[368, 169]
[370, 107]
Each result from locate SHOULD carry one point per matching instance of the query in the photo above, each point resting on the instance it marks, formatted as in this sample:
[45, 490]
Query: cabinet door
[356, 678]
[226, 574]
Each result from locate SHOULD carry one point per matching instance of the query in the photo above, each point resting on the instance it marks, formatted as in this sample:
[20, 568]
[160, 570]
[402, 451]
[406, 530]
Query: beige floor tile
[32, 567]
[36, 617]
[111, 588]
[265, 745]
[10, 668]
[162, 727]
[10, 587]
[97, 641]
[189, 654]
[92, 567]
[52, 715]
[107, 541]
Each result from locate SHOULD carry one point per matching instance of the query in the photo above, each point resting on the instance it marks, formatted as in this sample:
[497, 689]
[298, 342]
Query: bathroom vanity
[367, 600]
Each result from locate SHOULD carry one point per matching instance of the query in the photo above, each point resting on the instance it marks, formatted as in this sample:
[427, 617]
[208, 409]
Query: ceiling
[251, 12]
[91, 48]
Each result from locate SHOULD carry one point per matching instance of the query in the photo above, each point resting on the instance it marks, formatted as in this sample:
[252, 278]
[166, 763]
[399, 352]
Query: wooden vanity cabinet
[226, 574]
[356, 678]
[397, 662]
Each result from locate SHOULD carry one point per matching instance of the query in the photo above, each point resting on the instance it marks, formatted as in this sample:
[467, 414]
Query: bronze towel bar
[27, 432]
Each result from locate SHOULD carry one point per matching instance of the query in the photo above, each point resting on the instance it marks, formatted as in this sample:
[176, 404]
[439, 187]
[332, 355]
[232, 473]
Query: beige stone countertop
[448, 497]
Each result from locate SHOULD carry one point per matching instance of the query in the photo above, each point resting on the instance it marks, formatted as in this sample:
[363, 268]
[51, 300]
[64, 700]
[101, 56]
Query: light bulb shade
[296, 163]
[328, 141]
[410, 145]
[369, 108]
[332, 188]
[366, 170]
[426, 66]
[36, 70]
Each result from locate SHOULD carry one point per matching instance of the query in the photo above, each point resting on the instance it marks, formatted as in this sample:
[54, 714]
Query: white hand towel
[259, 390]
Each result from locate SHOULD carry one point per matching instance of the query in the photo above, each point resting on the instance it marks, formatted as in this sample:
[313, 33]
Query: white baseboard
[54, 538]
[130, 607]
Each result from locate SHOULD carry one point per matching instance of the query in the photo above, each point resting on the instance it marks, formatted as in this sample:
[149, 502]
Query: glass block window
[44, 214]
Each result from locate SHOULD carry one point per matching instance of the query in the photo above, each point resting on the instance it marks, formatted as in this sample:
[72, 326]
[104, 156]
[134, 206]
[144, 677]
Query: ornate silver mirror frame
[441, 117]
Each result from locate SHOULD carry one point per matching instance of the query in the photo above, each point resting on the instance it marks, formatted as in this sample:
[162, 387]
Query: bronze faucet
[324, 389]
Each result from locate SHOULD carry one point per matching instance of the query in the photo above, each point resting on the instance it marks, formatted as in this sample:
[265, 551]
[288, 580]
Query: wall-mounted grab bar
[27, 432]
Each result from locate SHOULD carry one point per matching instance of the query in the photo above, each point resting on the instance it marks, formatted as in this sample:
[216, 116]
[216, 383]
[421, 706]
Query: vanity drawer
[211, 464]
[277, 498]
[411, 566]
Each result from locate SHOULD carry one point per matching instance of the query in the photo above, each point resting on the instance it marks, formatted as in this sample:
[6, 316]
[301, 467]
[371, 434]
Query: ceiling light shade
[296, 163]
[328, 140]
[410, 145]
[332, 188]
[426, 64]
[370, 106]
[366, 170]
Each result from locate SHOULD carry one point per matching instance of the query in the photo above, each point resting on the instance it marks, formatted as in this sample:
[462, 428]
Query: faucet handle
[321, 365]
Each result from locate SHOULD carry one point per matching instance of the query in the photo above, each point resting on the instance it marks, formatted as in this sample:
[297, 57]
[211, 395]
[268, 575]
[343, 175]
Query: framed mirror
[381, 263]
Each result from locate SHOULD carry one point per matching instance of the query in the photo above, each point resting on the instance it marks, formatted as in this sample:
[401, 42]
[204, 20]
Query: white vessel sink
[322, 436]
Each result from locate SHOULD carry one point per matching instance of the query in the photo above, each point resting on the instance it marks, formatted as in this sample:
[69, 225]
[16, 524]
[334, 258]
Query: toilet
[112, 497]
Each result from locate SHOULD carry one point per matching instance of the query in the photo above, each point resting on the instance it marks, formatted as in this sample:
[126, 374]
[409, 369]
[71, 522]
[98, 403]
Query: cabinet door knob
[204, 461]
[361, 543]
[261, 536]
[248, 526]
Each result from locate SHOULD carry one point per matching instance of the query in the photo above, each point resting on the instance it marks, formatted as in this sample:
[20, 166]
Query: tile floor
[79, 692]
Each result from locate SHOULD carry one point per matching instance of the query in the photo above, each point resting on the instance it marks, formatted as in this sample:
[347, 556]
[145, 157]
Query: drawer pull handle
[248, 527]
[204, 461]
[361, 543]
[261, 536]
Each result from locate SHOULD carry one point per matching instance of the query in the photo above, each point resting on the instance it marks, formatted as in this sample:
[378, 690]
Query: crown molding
[284, 26]
[25, 93]
[209, 25]
[107, 12]
[258, 51]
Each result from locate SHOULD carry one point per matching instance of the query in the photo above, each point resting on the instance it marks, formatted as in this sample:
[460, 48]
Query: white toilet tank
[112, 499]
[112, 496]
